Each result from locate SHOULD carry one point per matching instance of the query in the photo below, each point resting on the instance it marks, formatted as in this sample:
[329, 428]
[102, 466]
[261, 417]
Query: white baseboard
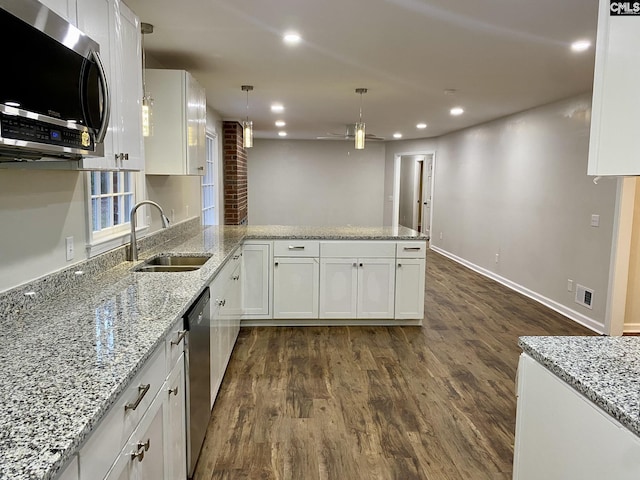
[577, 317]
[632, 328]
[329, 322]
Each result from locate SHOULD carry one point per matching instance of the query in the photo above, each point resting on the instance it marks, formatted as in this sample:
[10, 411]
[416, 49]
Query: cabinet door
[71, 472]
[196, 112]
[338, 287]
[215, 338]
[410, 278]
[129, 97]
[295, 287]
[376, 287]
[175, 424]
[97, 18]
[255, 280]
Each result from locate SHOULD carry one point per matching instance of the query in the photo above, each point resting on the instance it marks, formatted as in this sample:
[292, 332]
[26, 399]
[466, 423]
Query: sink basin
[167, 268]
[171, 263]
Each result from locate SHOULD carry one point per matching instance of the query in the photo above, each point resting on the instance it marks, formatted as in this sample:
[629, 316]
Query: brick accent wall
[235, 175]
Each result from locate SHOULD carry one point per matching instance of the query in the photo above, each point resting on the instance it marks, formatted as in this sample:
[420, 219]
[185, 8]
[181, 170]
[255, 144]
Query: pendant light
[147, 99]
[359, 133]
[247, 125]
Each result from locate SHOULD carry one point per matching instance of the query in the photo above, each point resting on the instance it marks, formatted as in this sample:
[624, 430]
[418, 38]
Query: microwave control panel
[30, 130]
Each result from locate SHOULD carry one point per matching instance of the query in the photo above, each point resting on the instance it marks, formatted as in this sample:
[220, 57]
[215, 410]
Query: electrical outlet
[69, 248]
[497, 257]
[595, 220]
[173, 215]
[440, 235]
[569, 285]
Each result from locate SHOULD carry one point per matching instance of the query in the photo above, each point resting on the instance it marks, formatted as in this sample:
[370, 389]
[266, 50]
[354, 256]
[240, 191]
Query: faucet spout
[133, 254]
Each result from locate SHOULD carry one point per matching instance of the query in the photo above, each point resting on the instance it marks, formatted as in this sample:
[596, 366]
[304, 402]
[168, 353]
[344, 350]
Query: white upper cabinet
[614, 146]
[114, 26]
[177, 146]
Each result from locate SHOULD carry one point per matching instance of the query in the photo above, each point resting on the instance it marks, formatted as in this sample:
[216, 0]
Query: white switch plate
[595, 220]
[497, 257]
[569, 285]
[69, 247]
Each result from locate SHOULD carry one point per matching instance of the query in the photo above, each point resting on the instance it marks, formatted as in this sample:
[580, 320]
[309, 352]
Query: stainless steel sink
[172, 263]
[166, 268]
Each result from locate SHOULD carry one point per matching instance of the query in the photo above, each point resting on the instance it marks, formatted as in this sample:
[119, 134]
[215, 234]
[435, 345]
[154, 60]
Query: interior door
[427, 180]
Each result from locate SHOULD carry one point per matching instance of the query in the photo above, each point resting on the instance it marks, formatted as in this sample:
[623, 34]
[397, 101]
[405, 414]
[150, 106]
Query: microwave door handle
[106, 112]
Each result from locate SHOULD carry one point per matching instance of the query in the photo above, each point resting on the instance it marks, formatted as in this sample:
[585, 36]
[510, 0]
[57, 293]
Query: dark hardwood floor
[432, 402]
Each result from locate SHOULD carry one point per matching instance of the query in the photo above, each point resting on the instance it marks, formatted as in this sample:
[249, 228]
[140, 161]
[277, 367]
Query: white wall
[517, 187]
[297, 182]
[38, 210]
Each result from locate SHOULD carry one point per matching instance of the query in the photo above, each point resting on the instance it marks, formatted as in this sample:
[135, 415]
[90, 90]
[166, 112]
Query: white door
[376, 286]
[410, 288]
[255, 280]
[295, 287]
[175, 440]
[338, 287]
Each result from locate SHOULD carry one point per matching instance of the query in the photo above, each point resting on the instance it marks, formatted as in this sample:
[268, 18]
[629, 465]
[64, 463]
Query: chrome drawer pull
[142, 447]
[142, 391]
[181, 335]
[173, 390]
[296, 247]
[413, 248]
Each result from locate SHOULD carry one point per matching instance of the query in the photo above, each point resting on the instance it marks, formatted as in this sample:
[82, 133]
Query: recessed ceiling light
[282, 133]
[397, 135]
[280, 123]
[291, 38]
[580, 45]
[457, 111]
[277, 107]
[12, 104]
[421, 126]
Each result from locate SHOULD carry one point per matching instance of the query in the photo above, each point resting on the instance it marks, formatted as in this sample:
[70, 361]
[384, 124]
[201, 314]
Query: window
[112, 196]
[209, 183]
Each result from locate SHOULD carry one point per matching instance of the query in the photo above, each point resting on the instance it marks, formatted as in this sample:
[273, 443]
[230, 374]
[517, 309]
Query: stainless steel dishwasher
[197, 322]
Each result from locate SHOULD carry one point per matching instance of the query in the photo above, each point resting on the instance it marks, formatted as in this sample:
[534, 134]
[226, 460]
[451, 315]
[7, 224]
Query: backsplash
[23, 297]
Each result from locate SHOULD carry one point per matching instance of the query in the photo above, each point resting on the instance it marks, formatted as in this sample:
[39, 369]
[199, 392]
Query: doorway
[413, 185]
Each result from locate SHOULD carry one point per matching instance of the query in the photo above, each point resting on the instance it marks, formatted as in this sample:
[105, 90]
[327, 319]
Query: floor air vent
[584, 296]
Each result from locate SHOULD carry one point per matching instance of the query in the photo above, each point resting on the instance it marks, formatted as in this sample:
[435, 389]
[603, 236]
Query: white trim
[328, 322]
[578, 317]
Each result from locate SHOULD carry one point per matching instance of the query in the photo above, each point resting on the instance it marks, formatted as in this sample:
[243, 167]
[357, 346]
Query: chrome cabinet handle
[173, 390]
[181, 335]
[360, 264]
[142, 447]
[235, 257]
[220, 303]
[126, 156]
[235, 277]
[106, 98]
[276, 264]
[399, 265]
[413, 248]
[296, 247]
[355, 264]
[142, 391]
[200, 168]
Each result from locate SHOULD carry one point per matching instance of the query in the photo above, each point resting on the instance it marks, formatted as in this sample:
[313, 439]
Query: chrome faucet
[133, 255]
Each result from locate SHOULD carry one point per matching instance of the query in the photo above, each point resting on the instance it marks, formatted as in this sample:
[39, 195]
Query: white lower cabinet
[255, 284]
[376, 287]
[561, 435]
[175, 421]
[410, 284]
[71, 471]
[295, 287]
[338, 287]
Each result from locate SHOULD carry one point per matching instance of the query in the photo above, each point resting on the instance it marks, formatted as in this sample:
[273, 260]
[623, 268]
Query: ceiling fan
[349, 134]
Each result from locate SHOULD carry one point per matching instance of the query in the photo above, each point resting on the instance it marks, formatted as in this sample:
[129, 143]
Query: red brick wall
[235, 175]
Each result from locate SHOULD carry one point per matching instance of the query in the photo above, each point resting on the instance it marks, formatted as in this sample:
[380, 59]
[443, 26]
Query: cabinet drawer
[174, 344]
[411, 249]
[358, 249]
[296, 248]
[101, 450]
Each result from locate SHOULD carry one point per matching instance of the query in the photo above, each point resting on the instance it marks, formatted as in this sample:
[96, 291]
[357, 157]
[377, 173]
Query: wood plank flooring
[435, 402]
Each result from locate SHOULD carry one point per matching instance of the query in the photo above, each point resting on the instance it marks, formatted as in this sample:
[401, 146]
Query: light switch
[595, 220]
[69, 248]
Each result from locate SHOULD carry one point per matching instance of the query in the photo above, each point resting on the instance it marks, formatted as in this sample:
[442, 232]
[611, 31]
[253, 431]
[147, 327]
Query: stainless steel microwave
[54, 95]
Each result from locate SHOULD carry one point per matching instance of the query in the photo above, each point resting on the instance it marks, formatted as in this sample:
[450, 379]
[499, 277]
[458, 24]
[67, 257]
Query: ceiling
[501, 57]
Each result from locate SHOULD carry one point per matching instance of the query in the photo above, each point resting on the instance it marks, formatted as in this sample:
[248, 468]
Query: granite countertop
[71, 343]
[606, 370]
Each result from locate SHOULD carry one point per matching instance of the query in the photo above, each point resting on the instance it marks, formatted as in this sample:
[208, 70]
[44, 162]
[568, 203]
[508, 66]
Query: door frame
[395, 218]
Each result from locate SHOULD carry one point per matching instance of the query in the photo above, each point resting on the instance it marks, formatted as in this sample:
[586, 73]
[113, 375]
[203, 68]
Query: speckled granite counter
[71, 342]
[604, 369]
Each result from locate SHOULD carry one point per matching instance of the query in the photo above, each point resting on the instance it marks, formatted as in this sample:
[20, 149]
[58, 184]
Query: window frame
[212, 174]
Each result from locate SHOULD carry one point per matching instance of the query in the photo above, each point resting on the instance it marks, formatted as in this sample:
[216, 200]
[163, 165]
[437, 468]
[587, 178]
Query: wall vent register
[584, 296]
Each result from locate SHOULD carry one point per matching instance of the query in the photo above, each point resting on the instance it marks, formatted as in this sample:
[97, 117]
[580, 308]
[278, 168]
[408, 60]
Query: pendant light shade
[247, 125]
[147, 99]
[360, 132]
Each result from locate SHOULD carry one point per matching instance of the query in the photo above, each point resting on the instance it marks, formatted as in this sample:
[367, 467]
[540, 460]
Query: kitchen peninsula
[75, 342]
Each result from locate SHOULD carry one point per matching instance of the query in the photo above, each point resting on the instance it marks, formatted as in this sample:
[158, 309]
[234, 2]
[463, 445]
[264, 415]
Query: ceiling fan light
[359, 135]
[247, 137]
